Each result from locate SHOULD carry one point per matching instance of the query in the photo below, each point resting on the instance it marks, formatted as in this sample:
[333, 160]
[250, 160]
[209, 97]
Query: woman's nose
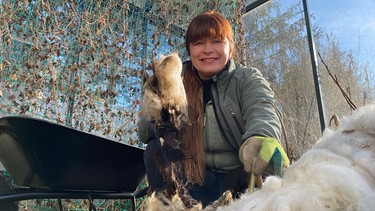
[207, 48]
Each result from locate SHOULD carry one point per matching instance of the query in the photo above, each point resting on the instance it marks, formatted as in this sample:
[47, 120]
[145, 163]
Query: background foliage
[80, 63]
[276, 43]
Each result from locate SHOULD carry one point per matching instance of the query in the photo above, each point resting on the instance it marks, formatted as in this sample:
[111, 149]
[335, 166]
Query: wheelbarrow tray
[44, 155]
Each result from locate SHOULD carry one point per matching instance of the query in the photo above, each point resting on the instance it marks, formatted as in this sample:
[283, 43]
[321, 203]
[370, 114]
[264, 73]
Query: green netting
[80, 63]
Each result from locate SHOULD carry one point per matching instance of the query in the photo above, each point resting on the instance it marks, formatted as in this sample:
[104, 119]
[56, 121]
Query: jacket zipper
[219, 107]
[236, 121]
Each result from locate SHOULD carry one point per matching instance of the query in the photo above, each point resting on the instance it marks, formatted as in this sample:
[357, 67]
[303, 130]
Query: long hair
[192, 135]
[209, 24]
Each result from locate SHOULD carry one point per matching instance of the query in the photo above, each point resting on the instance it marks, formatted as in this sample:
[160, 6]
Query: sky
[351, 23]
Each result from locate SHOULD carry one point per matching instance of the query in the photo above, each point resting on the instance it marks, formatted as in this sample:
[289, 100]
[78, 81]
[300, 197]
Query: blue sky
[352, 23]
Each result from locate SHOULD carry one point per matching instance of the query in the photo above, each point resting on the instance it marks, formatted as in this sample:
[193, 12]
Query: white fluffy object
[161, 203]
[168, 72]
[170, 90]
[337, 174]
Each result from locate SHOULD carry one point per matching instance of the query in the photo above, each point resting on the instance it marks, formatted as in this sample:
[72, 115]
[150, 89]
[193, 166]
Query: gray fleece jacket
[242, 105]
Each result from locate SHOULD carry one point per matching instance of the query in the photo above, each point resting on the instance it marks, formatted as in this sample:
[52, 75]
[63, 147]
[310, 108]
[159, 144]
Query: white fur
[161, 203]
[171, 91]
[151, 106]
[337, 174]
[168, 72]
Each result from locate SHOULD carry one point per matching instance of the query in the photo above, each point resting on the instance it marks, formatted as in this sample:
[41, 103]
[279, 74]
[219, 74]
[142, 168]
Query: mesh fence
[81, 63]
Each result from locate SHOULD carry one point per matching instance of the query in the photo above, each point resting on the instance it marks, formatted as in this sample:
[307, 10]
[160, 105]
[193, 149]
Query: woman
[234, 126]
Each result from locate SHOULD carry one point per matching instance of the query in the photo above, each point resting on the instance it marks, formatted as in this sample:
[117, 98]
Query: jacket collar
[224, 75]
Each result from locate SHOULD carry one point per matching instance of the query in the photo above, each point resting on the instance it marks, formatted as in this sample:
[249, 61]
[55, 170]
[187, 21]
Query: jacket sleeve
[146, 130]
[259, 113]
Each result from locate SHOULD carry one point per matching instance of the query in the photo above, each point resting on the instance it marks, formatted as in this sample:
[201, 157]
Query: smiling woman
[230, 113]
[209, 43]
[209, 56]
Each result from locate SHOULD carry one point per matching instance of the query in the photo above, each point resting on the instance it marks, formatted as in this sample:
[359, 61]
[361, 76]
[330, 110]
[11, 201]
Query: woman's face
[209, 56]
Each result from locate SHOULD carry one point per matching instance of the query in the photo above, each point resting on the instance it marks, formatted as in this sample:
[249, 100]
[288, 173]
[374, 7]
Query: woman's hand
[257, 152]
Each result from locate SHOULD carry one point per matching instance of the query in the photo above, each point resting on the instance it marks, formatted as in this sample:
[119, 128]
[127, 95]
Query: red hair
[210, 24]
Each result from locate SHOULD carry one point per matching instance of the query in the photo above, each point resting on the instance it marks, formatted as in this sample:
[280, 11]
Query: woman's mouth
[208, 59]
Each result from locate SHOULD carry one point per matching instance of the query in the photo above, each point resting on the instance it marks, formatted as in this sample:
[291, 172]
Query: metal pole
[314, 64]
[254, 5]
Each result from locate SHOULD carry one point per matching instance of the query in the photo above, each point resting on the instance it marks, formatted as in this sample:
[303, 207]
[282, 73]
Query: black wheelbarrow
[51, 161]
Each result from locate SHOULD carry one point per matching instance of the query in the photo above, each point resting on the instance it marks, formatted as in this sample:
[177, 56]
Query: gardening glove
[257, 152]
